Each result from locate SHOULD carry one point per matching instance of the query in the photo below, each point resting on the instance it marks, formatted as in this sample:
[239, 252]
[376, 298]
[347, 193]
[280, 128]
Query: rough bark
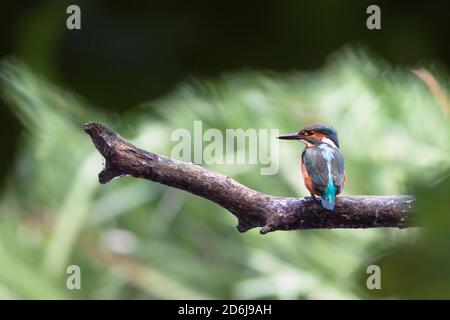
[252, 208]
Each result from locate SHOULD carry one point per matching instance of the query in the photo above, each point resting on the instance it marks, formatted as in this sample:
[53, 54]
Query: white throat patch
[329, 142]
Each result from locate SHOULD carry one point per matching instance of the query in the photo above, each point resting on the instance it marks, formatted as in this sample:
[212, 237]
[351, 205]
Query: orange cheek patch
[318, 136]
[322, 137]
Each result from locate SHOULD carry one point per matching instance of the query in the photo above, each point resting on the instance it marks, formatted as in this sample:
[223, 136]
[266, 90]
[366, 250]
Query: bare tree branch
[252, 208]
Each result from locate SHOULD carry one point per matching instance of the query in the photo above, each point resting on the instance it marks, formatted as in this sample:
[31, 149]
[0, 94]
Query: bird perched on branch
[322, 163]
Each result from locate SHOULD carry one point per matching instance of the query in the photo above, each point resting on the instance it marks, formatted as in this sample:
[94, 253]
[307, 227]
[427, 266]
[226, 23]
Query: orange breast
[307, 179]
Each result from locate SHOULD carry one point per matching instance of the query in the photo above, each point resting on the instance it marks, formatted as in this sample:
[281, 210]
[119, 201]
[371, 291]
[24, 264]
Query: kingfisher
[322, 163]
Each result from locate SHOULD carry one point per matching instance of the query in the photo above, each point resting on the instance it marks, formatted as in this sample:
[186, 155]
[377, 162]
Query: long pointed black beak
[292, 136]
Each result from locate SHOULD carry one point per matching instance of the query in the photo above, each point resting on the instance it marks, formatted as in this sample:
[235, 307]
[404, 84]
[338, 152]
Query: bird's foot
[315, 198]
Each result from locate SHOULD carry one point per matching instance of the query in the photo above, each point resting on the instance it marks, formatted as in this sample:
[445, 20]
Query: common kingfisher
[322, 163]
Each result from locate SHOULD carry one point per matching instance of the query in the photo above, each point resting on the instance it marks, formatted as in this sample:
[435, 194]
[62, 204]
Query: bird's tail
[329, 196]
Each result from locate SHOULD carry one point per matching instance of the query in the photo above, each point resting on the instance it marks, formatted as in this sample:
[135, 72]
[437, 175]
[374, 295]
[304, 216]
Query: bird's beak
[292, 136]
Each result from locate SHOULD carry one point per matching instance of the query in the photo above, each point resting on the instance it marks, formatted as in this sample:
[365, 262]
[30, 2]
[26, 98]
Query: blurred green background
[148, 68]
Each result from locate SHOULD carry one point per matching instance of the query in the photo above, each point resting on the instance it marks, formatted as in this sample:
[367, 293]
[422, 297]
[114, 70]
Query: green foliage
[134, 239]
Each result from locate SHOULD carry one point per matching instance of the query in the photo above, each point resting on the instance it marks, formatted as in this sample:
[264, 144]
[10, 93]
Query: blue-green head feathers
[327, 130]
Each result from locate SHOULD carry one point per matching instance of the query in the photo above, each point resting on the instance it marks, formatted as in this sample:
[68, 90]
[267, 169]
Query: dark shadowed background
[133, 51]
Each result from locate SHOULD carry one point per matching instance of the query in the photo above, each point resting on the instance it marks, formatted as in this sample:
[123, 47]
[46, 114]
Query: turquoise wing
[316, 166]
[338, 170]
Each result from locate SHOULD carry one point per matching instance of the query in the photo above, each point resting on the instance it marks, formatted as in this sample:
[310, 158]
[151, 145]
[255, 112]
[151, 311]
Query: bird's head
[315, 134]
